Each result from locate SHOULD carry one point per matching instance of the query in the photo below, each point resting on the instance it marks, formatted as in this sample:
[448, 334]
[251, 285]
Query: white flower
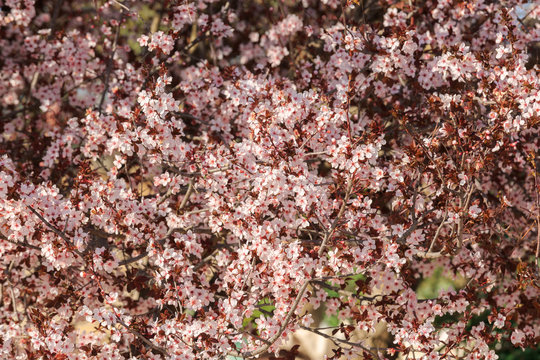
[474, 211]
[499, 322]
[517, 337]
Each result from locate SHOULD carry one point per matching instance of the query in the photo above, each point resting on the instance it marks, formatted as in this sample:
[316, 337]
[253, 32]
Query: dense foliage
[195, 178]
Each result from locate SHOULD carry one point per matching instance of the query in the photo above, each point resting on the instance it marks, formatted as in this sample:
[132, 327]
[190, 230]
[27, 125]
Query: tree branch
[336, 341]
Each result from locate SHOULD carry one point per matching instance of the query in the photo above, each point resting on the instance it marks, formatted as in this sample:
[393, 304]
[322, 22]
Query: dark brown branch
[24, 243]
[143, 339]
[58, 232]
[109, 68]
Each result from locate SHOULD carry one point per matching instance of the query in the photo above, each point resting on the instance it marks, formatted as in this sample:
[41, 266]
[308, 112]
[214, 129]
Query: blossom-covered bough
[192, 179]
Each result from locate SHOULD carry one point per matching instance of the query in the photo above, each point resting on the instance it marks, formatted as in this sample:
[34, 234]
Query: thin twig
[187, 195]
[58, 232]
[14, 304]
[342, 341]
[537, 188]
[143, 338]
[24, 243]
[464, 208]
[121, 5]
[437, 233]
[109, 68]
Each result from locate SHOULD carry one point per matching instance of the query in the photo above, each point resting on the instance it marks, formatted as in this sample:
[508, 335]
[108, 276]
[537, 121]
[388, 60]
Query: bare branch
[338, 341]
[58, 232]
[24, 243]
[143, 339]
[109, 67]
[187, 195]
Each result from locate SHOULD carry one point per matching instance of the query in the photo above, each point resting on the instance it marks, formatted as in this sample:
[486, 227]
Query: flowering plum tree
[193, 178]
